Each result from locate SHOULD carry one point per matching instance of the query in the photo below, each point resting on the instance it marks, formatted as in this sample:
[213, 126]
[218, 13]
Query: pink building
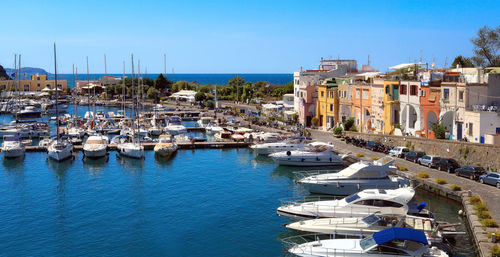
[307, 106]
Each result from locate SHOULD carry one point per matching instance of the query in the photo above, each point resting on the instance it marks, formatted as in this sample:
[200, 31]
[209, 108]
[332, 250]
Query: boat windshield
[351, 198]
[367, 243]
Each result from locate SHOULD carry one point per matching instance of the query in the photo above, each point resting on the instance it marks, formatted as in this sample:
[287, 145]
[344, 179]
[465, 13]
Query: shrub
[495, 251]
[423, 175]
[490, 223]
[455, 187]
[497, 234]
[360, 155]
[315, 121]
[374, 158]
[337, 131]
[403, 168]
[483, 215]
[480, 207]
[407, 144]
[474, 200]
[348, 123]
[440, 181]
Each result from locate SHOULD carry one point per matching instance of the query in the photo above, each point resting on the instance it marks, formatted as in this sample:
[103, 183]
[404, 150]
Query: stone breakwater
[487, 156]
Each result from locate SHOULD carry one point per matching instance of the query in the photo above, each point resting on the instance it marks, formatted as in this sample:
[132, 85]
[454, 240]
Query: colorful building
[38, 83]
[409, 100]
[391, 106]
[430, 95]
[345, 100]
[327, 107]
[377, 117]
[361, 106]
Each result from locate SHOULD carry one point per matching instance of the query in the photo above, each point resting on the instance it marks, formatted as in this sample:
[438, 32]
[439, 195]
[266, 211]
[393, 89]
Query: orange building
[361, 106]
[429, 104]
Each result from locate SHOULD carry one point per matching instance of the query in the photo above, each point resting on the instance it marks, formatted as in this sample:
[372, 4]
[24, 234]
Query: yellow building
[391, 105]
[38, 83]
[327, 107]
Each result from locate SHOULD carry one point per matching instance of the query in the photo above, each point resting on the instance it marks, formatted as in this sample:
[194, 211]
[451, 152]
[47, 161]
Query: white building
[411, 113]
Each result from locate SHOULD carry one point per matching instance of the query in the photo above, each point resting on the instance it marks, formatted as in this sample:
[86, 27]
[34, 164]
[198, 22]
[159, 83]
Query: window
[413, 90]
[26, 87]
[331, 94]
[387, 90]
[461, 96]
[357, 93]
[331, 107]
[446, 94]
[352, 198]
[322, 93]
[395, 92]
[470, 128]
[403, 89]
[301, 95]
[365, 94]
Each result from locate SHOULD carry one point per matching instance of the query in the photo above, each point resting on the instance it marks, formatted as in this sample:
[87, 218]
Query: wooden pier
[150, 146]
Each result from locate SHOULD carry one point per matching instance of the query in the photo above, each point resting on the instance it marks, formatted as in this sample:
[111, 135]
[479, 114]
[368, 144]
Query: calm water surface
[200, 203]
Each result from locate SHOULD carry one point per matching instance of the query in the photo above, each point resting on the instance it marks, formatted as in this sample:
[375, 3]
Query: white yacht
[213, 129]
[223, 136]
[12, 147]
[358, 176]
[312, 155]
[131, 149]
[269, 148]
[175, 129]
[389, 242]
[364, 227]
[95, 146]
[361, 204]
[154, 131]
[165, 147]
[204, 122]
[60, 150]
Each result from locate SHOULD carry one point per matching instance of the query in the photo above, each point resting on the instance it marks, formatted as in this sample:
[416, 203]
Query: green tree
[348, 124]
[247, 91]
[210, 104]
[439, 130]
[337, 131]
[180, 85]
[486, 47]
[153, 93]
[236, 83]
[464, 62]
[315, 121]
[161, 83]
[200, 97]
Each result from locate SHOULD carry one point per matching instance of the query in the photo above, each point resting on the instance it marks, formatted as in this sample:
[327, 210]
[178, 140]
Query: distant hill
[3, 74]
[27, 70]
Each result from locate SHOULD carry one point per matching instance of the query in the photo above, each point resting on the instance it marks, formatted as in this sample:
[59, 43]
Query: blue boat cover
[421, 206]
[390, 234]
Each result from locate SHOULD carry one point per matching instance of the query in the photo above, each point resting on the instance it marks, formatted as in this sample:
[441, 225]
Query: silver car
[429, 160]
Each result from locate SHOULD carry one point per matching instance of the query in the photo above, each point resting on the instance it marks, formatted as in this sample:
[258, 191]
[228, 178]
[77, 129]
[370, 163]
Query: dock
[150, 146]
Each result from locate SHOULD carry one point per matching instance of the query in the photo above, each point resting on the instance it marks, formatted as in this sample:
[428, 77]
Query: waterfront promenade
[489, 194]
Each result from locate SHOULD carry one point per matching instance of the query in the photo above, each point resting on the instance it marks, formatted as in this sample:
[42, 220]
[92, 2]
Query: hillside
[27, 70]
[3, 74]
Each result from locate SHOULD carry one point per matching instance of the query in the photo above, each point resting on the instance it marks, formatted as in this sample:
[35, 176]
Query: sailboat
[132, 149]
[58, 149]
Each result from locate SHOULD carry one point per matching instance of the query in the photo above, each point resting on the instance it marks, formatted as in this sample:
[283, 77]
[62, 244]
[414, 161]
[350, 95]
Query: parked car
[399, 151]
[429, 160]
[374, 146]
[472, 172]
[413, 156]
[492, 178]
[448, 165]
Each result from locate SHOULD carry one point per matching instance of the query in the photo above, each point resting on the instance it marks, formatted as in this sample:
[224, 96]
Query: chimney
[300, 68]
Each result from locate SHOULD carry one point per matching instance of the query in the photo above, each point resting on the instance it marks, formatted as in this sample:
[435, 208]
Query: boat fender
[317, 158]
[302, 160]
[338, 184]
[358, 186]
[288, 153]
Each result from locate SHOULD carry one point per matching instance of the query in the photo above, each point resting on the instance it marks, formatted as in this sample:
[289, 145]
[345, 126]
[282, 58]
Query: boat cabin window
[367, 243]
[351, 198]
[385, 249]
[384, 203]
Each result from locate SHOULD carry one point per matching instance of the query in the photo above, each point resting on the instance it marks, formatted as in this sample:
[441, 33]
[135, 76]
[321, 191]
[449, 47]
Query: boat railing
[293, 201]
[297, 240]
[308, 173]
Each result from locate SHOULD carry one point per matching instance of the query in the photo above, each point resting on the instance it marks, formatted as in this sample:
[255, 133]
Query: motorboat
[95, 146]
[388, 242]
[312, 155]
[182, 138]
[212, 129]
[367, 226]
[45, 142]
[60, 150]
[131, 149]
[267, 137]
[154, 131]
[223, 136]
[175, 129]
[361, 204]
[269, 148]
[237, 137]
[12, 147]
[204, 122]
[358, 176]
[76, 132]
[29, 112]
[165, 146]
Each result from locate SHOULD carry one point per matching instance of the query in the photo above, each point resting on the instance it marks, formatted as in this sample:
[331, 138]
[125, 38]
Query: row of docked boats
[373, 218]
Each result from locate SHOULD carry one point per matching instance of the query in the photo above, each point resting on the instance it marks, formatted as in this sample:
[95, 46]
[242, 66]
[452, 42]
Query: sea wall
[465, 153]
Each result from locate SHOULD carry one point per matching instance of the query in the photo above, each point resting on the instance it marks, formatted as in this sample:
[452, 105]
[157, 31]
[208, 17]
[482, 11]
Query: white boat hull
[13, 152]
[95, 153]
[60, 155]
[309, 161]
[348, 187]
[133, 151]
[165, 151]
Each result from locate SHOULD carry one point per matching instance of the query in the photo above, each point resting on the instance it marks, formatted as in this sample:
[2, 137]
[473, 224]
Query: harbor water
[216, 202]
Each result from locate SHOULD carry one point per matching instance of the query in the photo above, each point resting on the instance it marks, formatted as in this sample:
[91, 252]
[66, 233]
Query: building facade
[411, 115]
[391, 106]
[37, 83]
[328, 104]
[377, 107]
[361, 106]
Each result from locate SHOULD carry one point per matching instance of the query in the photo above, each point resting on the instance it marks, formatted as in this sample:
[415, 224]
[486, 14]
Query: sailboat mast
[72, 94]
[88, 85]
[15, 78]
[123, 89]
[133, 99]
[139, 87]
[57, 94]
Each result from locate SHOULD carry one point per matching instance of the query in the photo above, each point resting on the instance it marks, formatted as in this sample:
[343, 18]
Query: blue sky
[237, 36]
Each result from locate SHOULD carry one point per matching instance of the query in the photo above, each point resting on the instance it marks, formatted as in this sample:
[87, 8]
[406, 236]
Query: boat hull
[309, 162]
[349, 187]
[60, 155]
[13, 152]
[95, 153]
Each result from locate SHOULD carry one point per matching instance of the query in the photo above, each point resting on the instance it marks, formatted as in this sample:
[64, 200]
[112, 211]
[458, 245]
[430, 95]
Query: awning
[391, 234]
[405, 65]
